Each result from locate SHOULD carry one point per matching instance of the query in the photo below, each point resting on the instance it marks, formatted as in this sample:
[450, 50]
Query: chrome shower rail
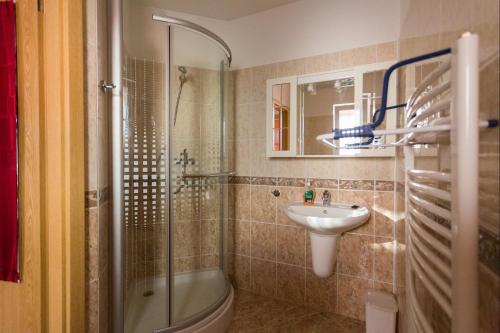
[197, 28]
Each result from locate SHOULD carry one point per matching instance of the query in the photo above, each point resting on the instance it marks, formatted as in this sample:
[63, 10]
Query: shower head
[183, 76]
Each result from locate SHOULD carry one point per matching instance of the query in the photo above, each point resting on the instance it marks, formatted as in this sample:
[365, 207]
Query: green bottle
[309, 194]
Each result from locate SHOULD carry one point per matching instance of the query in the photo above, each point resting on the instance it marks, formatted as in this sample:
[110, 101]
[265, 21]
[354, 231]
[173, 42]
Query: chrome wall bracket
[105, 86]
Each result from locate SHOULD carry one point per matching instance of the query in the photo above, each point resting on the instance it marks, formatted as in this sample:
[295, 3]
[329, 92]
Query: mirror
[340, 99]
[324, 105]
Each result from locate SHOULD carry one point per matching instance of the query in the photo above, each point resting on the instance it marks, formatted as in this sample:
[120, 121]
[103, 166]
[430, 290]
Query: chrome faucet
[184, 160]
[326, 198]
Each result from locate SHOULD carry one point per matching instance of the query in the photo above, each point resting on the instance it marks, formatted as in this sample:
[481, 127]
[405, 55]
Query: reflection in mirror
[281, 117]
[324, 105]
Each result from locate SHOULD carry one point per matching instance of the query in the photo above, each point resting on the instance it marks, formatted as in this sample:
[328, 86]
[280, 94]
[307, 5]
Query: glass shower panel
[197, 173]
[145, 195]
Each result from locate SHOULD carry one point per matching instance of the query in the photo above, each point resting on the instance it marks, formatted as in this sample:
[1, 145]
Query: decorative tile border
[365, 185]
[239, 180]
[270, 181]
[293, 182]
[343, 184]
[384, 185]
[324, 183]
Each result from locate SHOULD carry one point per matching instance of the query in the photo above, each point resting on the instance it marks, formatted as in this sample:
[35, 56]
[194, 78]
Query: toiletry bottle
[309, 193]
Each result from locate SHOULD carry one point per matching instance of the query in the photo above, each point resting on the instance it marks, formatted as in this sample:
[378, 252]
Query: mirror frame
[296, 133]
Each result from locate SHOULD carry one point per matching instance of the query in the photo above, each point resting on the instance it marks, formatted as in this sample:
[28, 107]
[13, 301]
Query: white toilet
[381, 310]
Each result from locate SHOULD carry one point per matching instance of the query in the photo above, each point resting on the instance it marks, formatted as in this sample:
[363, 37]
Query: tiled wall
[429, 25]
[272, 254]
[96, 160]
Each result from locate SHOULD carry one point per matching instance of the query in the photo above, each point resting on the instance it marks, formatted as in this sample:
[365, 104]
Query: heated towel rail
[441, 207]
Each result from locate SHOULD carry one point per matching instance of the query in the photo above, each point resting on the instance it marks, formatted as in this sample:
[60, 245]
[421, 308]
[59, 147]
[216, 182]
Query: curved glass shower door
[175, 150]
[198, 173]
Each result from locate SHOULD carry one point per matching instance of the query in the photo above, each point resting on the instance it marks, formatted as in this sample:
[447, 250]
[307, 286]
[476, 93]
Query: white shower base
[193, 292]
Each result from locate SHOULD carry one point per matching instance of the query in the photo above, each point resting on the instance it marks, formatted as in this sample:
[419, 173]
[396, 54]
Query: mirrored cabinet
[300, 108]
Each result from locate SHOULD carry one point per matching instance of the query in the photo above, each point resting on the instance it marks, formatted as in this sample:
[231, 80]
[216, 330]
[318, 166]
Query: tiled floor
[253, 313]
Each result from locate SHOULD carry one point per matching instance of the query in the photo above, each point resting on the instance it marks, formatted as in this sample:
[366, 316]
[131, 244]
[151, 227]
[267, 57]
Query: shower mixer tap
[184, 160]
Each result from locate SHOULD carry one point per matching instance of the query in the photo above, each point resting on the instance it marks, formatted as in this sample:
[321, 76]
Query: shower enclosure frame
[115, 10]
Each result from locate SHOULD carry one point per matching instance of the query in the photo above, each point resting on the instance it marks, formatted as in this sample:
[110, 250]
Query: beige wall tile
[92, 244]
[92, 306]
[386, 52]
[291, 245]
[103, 302]
[242, 272]
[242, 202]
[290, 167]
[291, 67]
[383, 259]
[355, 255]
[263, 241]
[322, 63]
[243, 158]
[257, 120]
[383, 213]
[358, 56]
[243, 81]
[242, 121]
[186, 239]
[384, 168]
[263, 277]
[321, 293]
[322, 168]
[104, 224]
[291, 283]
[355, 168]
[263, 204]
[242, 234]
[351, 296]
[186, 264]
[260, 75]
[488, 300]
[210, 231]
[211, 261]
[260, 165]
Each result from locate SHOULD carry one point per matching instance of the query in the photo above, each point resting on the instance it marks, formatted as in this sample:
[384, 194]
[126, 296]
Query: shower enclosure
[171, 121]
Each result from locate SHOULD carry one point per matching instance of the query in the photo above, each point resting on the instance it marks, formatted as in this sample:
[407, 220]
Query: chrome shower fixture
[183, 76]
[182, 79]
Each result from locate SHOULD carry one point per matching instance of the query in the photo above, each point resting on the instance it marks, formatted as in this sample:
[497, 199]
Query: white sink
[325, 224]
[329, 220]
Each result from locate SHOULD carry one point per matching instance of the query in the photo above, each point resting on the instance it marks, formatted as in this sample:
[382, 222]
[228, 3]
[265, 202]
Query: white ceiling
[218, 9]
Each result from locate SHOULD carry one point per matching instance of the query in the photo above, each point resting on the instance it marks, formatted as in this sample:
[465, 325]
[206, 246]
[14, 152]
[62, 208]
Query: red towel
[9, 233]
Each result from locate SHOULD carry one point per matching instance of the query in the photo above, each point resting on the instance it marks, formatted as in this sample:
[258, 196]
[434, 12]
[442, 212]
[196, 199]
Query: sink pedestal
[324, 253]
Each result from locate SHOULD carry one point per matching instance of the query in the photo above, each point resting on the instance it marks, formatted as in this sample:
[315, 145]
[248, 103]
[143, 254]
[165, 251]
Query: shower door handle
[105, 86]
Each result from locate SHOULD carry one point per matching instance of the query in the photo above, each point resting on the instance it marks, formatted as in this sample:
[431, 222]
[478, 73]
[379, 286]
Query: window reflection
[281, 117]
